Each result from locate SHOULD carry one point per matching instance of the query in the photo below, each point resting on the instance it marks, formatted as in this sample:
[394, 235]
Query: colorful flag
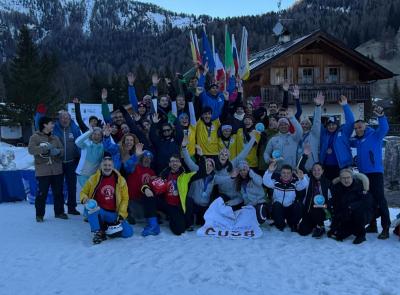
[207, 56]
[229, 65]
[219, 72]
[235, 55]
[196, 46]
[244, 67]
[193, 47]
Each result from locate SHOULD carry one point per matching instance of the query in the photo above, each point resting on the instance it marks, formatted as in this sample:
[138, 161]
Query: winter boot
[318, 232]
[372, 228]
[384, 234]
[39, 219]
[359, 240]
[152, 227]
[99, 236]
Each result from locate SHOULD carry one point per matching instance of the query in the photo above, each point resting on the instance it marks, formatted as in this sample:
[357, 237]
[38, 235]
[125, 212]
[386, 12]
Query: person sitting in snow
[286, 205]
[109, 189]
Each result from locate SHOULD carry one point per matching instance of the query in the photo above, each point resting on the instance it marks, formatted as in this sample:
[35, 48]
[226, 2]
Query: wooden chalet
[315, 62]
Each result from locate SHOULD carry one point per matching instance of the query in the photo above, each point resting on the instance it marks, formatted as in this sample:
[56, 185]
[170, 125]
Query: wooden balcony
[354, 92]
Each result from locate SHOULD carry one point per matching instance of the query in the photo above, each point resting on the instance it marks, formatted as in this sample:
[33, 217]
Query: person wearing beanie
[166, 142]
[227, 139]
[48, 153]
[250, 187]
[140, 173]
[200, 186]
[335, 152]
[187, 120]
[311, 134]
[91, 145]
[207, 132]
[243, 137]
[284, 142]
[212, 98]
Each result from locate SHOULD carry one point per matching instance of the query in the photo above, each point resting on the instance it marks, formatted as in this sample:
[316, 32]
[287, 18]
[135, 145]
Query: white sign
[88, 110]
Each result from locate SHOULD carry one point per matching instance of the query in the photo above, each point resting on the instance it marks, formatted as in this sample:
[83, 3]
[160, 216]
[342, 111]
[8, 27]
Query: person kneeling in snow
[285, 205]
[351, 206]
[108, 188]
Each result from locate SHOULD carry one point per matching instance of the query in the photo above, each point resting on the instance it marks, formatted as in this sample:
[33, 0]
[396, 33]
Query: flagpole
[213, 49]
[226, 76]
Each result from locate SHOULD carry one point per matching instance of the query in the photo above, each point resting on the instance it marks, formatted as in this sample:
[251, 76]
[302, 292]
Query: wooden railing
[355, 93]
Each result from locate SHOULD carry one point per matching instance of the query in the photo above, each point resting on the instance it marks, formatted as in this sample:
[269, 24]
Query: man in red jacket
[141, 176]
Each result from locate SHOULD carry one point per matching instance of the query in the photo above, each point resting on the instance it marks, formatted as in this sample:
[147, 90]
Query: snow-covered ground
[57, 257]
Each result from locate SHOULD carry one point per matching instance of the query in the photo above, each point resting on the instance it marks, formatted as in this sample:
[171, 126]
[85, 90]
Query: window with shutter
[306, 75]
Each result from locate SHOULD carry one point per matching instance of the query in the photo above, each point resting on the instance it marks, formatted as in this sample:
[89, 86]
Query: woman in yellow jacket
[105, 196]
[243, 137]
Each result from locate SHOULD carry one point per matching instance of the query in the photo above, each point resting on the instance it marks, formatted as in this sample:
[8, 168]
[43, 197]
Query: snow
[157, 18]
[88, 15]
[13, 5]
[181, 22]
[23, 160]
[57, 257]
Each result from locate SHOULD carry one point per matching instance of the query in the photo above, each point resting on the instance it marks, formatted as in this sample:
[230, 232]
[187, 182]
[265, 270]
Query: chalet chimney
[284, 37]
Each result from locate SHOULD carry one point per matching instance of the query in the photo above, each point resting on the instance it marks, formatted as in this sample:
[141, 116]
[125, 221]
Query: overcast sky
[221, 8]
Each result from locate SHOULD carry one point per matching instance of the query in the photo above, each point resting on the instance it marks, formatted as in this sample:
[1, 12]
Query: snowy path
[57, 257]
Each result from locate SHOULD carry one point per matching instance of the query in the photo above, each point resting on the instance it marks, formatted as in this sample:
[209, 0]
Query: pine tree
[28, 82]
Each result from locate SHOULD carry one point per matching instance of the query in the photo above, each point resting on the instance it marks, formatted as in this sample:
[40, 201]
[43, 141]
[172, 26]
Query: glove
[54, 152]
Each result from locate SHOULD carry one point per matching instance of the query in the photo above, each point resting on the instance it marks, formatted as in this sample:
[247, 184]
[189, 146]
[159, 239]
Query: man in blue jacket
[335, 153]
[67, 131]
[369, 161]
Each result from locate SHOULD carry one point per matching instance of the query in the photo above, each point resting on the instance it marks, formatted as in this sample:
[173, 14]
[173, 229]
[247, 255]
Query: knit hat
[183, 115]
[243, 165]
[283, 121]
[226, 127]
[332, 120]
[148, 154]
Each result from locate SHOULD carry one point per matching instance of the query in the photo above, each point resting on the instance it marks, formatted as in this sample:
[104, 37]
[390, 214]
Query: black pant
[353, 224]
[331, 171]
[379, 203]
[261, 212]
[291, 214]
[177, 218]
[193, 210]
[70, 177]
[56, 183]
[310, 220]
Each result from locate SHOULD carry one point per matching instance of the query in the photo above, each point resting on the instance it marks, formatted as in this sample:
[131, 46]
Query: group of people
[175, 153]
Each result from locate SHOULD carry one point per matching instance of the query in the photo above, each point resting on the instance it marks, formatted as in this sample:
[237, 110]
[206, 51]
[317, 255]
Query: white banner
[88, 110]
[222, 222]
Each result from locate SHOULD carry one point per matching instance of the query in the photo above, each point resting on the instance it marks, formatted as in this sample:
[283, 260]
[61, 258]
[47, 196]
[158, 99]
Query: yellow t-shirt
[231, 146]
[191, 134]
[207, 138]
[251, 158]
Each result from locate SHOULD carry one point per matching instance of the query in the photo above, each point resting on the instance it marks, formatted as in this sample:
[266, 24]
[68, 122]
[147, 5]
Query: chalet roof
[275, 52]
